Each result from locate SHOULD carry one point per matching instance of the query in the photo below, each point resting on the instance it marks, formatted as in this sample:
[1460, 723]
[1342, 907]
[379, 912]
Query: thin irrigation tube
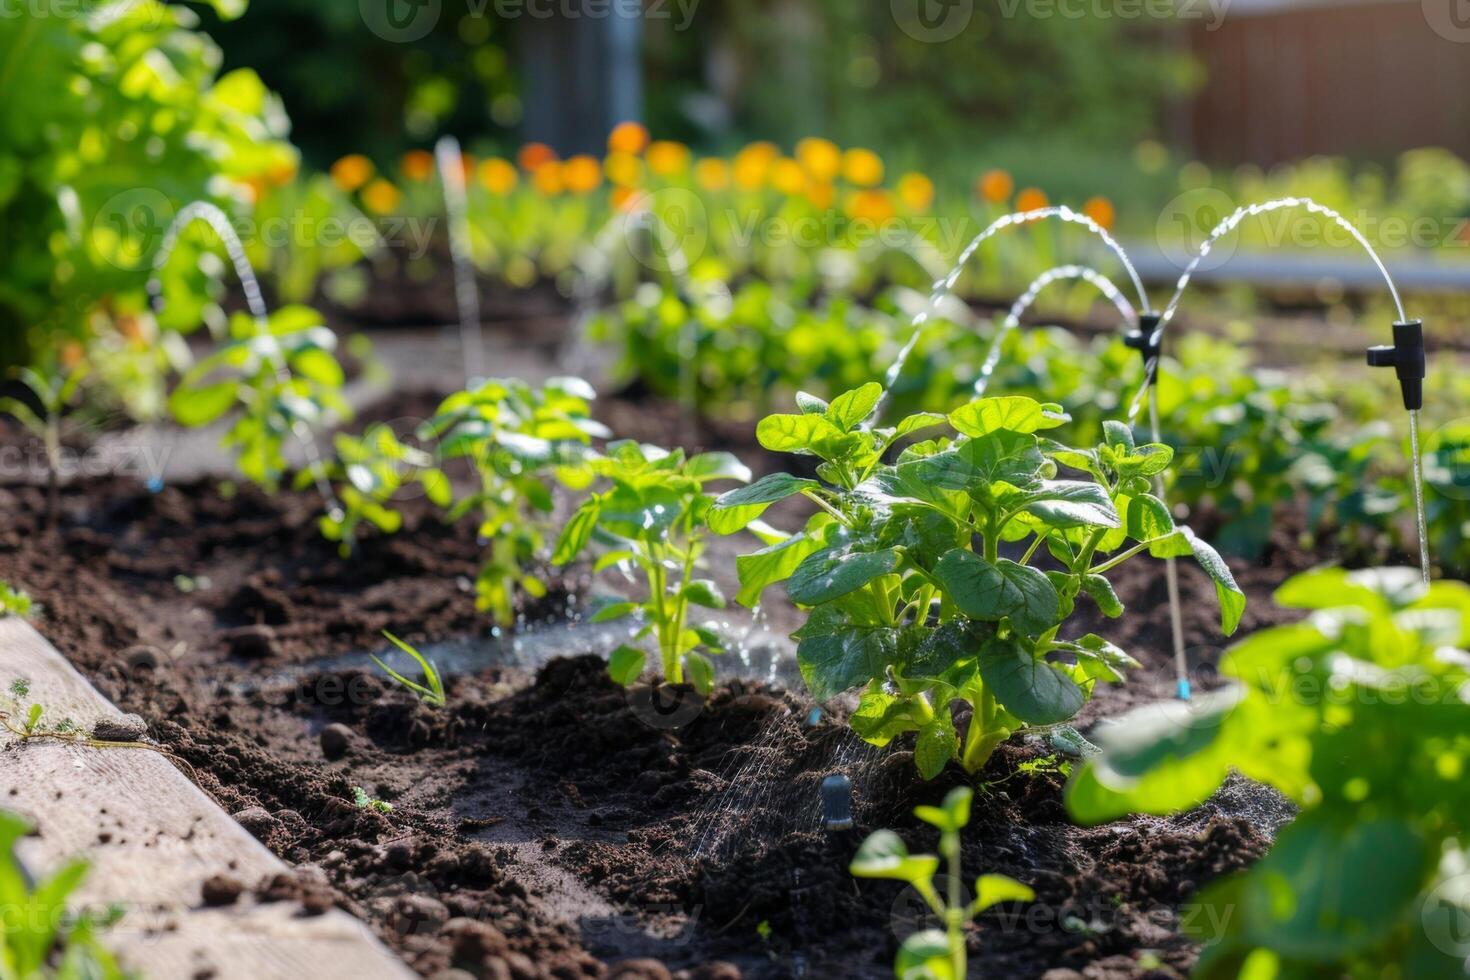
[945, 286]
[450, 162]
[1024, 302]
[250, 283]
[1230, 223]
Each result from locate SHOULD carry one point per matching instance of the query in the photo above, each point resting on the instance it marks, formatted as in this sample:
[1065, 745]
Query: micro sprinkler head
[837, 802]
[1148, 340]
[1406, 357]
[1184, 689]
[814, 717]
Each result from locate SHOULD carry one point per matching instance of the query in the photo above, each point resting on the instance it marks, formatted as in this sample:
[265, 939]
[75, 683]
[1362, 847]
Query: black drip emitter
[1406, 357]
[1148, 341]
[837, 802]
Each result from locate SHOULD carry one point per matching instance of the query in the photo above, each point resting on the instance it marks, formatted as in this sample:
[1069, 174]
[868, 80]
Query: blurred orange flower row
[815, 170]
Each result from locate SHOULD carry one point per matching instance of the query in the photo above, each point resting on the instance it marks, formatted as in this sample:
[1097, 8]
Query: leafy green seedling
[653, 518]
[923, 579]
[1360, 714]
[13, 601]
[431, 690]
[363, 801]
[42, 938]
[55, 392]
[282, 376]
[931, 954]
[371, 472]
[521, 441]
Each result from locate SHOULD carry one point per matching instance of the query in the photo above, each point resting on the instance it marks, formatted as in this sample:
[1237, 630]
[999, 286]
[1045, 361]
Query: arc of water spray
[250, 284]
[1225, 227]
[1018, 309]
[450, 162]
[945, 286]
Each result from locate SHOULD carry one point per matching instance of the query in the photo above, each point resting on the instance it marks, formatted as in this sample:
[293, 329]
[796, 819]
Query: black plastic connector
[1148, 341]
[1406, 357]
[837, 802]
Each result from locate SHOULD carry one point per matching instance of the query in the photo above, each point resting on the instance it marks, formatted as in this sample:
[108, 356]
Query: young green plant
[905, 567]
[42, 937]
[430, 690]
[14, 601]
[653, 518]
[521, 442]
[932, 954]
[55, 393]
[1360, 715]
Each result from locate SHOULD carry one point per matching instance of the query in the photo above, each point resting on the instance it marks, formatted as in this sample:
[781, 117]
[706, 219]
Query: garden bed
[548, 822]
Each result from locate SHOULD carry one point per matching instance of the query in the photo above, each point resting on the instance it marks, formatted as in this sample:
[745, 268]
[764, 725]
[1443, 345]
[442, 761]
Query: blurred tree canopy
[720, 73]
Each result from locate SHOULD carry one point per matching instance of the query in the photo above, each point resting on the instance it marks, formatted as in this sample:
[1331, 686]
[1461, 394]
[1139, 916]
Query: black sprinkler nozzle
[837, 802]
[1406, 357]
[1147, 340]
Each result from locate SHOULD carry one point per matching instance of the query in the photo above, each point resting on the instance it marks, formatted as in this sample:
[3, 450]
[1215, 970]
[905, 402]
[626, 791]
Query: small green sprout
[933, 954]
[13, 601]
[431, 691]
[363, 801]
[48, 940]
[55, 393]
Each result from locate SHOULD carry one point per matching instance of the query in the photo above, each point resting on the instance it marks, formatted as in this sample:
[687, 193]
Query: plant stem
[954, 913]
[1119, 559]
[983, 737]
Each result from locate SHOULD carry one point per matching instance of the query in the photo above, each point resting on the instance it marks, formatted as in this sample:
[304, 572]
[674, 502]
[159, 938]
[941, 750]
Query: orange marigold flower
[820, 157]
[533, 156]
[498, 176]
[862, 167]
[1031, 199]
[582, 174]
[872, 205]
[381, 197]
[995, 186]
[351, 172]
[916, 192]
[1101, 210]
[821, 194]
[72, 354]
[623, 169]
[628, 137]
[712, 174]
[417, 165]
[752, 164]
[625, 198]
[667, 158]
[548, 178]
[281, 174]
[787, 176]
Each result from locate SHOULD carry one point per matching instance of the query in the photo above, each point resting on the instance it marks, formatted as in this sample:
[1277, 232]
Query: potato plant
[653, 519]
[907, 573]
[521, 441]
[1358, 715]
[283, 377]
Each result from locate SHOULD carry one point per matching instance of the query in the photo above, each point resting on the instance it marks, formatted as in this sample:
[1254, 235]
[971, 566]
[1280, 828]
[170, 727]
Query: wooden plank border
[153, 838]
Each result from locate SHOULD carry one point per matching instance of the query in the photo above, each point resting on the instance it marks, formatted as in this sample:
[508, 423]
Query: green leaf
[716, 466]
[810, 404]
[734, 510]
[835, 655]
[848, 409]
[812, 434]
[885, 855]
[1004, 590]
[934, 748]
[1147, 460]
[951, 816]
[991, 890]
[319, 366]
[612, 611]
[577, 533]
[1015, 413]
[823, 576]
[1028, 687]
[1232, 599]
[1119, 435]
[1147, 518]
[198, 406]
[1073, 503]
[1102, 593]
[703, 592]
[925, 956]
[1001, 456]
[700, 671]
[625, 665]
[773, 564]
